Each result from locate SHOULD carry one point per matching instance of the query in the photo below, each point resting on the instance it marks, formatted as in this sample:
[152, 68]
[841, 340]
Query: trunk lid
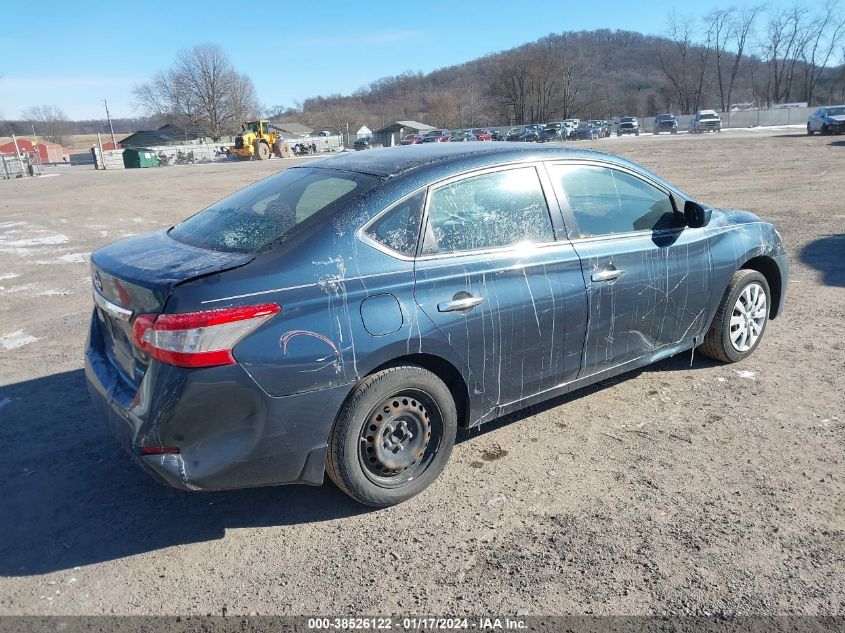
[135, 276]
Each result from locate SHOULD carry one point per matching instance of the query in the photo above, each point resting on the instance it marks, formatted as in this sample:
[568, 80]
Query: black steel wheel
[399, 438]
[393, 436]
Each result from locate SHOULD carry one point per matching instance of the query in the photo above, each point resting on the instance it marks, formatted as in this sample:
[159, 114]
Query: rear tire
[741, 319]
[809, 130]
[393, 436]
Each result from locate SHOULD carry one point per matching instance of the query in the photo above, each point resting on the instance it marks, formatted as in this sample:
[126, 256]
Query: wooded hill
[595, 74]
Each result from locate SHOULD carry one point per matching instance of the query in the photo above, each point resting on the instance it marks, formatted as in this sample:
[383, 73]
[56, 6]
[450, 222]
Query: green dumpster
[139, 157]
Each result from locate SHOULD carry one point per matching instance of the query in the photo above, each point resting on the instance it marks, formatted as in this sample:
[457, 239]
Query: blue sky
[75, 53]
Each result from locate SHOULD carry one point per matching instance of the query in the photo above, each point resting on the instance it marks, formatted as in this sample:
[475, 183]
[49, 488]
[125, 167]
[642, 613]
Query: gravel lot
[677, 489]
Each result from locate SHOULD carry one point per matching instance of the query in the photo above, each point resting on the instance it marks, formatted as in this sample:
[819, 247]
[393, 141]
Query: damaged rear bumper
[229, 432]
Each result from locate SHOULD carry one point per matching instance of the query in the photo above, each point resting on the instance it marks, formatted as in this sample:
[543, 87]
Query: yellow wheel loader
[257, 140]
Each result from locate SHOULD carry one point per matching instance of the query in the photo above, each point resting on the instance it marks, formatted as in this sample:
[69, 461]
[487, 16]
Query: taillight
[198, 339]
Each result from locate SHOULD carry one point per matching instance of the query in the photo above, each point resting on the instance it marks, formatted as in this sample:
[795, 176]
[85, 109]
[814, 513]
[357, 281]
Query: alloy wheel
[748, 317]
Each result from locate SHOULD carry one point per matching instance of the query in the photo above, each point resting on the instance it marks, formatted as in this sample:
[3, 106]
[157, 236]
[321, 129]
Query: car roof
[394, 161]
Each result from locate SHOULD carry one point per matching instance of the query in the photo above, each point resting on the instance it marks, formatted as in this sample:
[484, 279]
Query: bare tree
[512, 86]
[202, 91]
[678, 61]
[825, 33]
[720, 22]
[49, 120]
[741, 28]
[786, 36]
[470, 101]
[573, 71]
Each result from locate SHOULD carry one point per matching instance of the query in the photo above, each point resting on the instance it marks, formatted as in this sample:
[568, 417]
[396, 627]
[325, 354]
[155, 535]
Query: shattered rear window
[273, 209]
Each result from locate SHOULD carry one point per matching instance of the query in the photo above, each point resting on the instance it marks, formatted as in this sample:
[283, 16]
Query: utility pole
[111, 129]
[18, 154]
[34, 137]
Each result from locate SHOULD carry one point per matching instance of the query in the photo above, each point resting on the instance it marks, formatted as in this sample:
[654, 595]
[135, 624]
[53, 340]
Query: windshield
[836, 111]
[627, 119]
[664, 117]
[272, 210]
[709, 116]
[516, 130]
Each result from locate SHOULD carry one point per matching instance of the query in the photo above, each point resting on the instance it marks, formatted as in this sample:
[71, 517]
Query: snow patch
[46, 240]
[74, 258]
[15, 289]
[8, 276]
[744, 373]
[54, 292]
[16, 339]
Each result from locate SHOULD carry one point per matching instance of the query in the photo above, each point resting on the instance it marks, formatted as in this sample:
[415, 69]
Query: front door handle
[460, 303]
[608, 274]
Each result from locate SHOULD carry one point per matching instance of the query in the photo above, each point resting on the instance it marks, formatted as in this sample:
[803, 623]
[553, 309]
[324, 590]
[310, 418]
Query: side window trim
[569, 217]
[557, 225]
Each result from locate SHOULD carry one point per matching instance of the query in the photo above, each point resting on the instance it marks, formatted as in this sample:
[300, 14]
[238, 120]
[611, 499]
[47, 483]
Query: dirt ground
[678, 489]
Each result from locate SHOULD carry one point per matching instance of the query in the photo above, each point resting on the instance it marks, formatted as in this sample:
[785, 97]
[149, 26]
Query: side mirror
[695, 215]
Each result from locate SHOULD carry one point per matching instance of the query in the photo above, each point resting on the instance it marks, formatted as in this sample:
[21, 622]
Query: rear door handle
[459, 305]
[608, 274]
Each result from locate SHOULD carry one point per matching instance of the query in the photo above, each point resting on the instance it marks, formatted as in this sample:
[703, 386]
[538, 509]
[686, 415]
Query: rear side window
[399, 228]
[606, 201]
[273, 210]
[488, 211]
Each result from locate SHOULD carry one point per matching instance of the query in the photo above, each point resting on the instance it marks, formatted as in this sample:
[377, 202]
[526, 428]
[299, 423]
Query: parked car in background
[705, 121]
[347, 316]
[497, 135]
[587, 131]
[827, 120]
[537, 128]
[628, 125]
[524, 134]
[482, 134]
[368, 142]
[437, 136]
[411, 139]
[571, 126]
[555, 131]
[601, 126]
[665, 123]
[462, 136]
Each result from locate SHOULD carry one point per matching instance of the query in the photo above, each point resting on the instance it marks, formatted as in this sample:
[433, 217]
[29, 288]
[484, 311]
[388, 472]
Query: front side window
[273, 210]
[606, 201]
[492, 210]
[399, 227]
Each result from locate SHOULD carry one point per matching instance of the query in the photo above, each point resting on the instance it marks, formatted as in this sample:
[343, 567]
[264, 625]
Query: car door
[507, 296]
[646, 273]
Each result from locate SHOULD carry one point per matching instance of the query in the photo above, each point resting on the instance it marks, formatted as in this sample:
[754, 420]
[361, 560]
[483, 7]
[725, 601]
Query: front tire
[809, 130]
[262, 151]
[393, 436]
[741, 319]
